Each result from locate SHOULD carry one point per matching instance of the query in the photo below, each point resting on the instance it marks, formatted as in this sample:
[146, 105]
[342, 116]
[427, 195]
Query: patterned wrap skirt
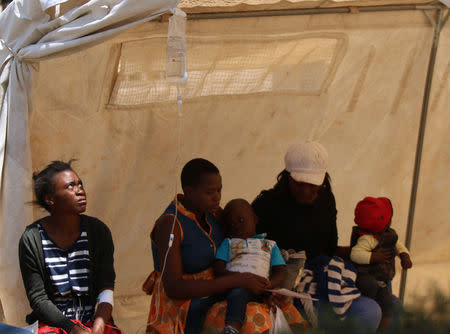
[169, 316]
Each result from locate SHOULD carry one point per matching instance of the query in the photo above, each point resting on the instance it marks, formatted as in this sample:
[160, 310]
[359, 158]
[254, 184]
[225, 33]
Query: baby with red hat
[374, 247]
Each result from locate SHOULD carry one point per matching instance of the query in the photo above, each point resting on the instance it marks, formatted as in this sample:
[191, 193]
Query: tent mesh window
[302, 64]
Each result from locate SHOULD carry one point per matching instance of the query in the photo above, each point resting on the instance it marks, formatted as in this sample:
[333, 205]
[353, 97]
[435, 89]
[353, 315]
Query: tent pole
[304, 11]
[420, 139]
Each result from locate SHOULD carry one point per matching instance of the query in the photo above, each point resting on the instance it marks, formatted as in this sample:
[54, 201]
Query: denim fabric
[397, 315]
[366, 313]
[197, 313]
[237, 300]
[364, 316]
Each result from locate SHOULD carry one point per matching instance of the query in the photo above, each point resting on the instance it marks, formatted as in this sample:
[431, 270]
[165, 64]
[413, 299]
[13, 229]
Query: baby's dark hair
[194, 170]
[43, 180]
[234, 202]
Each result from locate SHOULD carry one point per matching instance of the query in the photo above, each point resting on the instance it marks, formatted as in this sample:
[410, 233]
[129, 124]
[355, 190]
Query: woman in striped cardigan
[66, 259]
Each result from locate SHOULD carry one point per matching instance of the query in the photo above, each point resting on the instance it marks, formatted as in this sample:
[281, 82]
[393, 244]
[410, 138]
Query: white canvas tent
[262, 74]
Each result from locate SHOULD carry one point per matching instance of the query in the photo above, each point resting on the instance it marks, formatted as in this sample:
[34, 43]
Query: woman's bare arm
[178, 288]
[220, 268]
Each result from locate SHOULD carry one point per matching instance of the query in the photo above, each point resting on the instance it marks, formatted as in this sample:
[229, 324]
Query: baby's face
[241, 222]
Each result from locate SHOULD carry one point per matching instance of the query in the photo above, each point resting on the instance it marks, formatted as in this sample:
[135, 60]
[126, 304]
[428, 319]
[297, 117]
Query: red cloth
[46, 329]
[373, 214]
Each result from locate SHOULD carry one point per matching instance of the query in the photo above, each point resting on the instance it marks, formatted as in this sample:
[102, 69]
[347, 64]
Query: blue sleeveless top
[198, 248]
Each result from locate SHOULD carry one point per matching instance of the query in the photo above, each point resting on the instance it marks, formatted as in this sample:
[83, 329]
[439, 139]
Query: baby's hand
[217, 212]
[380, 256]
[405, 260]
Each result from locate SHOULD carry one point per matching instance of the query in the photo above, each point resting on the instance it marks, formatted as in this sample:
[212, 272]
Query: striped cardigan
[329, 279]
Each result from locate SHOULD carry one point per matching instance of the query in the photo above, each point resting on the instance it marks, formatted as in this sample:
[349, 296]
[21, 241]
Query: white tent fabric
[27, 36]
[355, 82]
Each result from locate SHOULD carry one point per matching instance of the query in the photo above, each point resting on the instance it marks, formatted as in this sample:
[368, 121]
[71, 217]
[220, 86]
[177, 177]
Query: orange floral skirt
[169, 316]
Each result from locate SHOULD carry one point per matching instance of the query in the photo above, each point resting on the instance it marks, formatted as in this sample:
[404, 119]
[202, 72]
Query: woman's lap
[257, 318]
[198, 308]
[396, 320]
[47, 329]
[363, 315]
[167, 315]
[366, 313]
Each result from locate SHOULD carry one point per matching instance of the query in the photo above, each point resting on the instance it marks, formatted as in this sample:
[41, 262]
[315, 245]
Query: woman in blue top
[184, 241]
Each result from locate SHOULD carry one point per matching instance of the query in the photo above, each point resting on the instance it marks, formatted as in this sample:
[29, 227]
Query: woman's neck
[62, 223]
[199, 214]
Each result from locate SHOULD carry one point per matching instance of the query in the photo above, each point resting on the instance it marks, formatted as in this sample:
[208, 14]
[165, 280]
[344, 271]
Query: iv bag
[176, 48]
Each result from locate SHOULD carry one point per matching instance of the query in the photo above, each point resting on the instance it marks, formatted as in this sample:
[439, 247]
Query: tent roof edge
[219, 6]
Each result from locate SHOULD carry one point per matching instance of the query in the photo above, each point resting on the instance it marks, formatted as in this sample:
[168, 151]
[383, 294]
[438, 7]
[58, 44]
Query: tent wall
[365, 109]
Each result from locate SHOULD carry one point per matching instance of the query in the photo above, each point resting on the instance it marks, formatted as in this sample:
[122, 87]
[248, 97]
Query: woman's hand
[99, 326]
[77, 329]
[101, 317]
[256, 284]
[274, 300]
[218, 213]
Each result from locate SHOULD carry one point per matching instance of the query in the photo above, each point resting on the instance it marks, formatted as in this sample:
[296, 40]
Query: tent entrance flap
[28, 30]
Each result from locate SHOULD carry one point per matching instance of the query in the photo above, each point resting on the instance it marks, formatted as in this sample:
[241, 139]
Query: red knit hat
[373, 214]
